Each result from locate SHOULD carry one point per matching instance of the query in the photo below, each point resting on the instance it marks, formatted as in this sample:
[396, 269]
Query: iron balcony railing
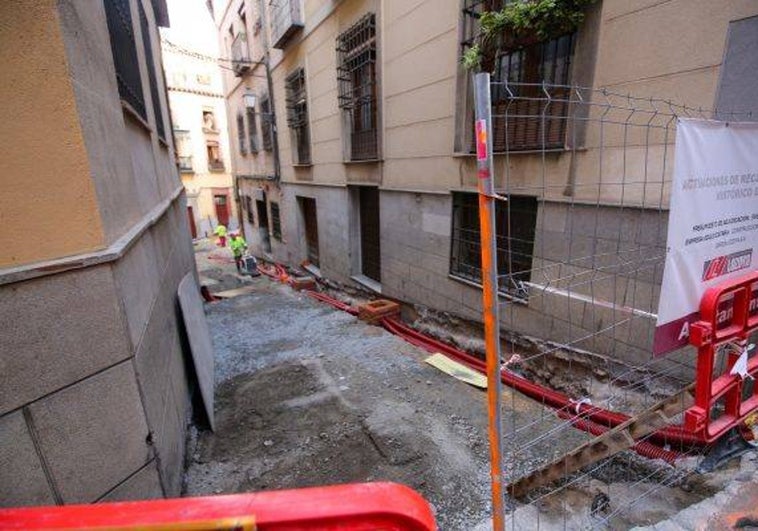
[216, 165]
[185, 163]
[240, 54]
[286, 20]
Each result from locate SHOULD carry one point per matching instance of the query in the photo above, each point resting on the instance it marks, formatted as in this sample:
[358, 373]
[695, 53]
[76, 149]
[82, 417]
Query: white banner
[713, 220]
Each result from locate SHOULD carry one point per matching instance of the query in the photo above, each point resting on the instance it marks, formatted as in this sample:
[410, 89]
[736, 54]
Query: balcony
[286, 21]
[240, 55]
[185, 164]
[216, 165]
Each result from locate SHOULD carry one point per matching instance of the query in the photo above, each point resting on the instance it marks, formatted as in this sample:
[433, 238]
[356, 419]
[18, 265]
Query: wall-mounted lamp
[249, 100]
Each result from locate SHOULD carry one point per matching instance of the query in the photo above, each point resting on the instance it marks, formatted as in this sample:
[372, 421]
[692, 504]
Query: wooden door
[221, 203]
[371, 255]
[193, 227]
[311, 229]
[263, 224]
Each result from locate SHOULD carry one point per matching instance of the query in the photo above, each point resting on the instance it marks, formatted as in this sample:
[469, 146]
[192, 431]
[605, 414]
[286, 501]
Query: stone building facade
[376, 176]
[96, 388]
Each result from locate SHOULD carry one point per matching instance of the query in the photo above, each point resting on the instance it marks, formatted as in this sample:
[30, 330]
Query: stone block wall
[95, 395]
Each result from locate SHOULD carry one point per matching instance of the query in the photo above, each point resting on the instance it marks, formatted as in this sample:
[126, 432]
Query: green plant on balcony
[521, 23]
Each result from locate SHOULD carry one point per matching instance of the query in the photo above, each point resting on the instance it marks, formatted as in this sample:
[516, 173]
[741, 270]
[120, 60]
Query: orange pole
[490, 307]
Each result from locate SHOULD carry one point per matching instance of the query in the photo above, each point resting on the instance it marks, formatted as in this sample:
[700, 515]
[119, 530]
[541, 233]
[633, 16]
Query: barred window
[241, 134]
[124, 49]
[276, 222]
[252, 129]
[521, 119]
[266, 128]
[152, 80]
[515, 226]
[356, 77]
[297, 117]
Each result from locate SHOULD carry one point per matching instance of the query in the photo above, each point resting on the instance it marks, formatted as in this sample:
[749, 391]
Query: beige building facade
[96, 386]
[198, 114]
[373, 121]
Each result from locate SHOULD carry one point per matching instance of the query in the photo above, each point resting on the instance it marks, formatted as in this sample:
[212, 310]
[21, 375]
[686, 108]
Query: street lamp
[249, 100]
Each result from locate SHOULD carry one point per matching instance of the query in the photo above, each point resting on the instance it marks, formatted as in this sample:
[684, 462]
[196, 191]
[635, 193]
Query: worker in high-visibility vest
[220, 231]
[238, 246]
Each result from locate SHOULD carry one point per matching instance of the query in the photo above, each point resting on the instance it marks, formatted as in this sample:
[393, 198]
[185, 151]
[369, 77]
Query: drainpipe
[270, 81]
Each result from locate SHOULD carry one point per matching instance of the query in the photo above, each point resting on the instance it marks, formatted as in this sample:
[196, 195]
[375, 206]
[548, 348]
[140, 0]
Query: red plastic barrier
[728, 316]
[360, 507]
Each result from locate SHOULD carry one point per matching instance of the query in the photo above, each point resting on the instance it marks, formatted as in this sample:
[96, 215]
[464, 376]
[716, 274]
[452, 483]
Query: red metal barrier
[360, 507]
[728, 316]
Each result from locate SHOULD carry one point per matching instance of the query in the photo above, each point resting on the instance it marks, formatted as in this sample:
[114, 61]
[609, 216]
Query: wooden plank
[615, 440]
[236, 292]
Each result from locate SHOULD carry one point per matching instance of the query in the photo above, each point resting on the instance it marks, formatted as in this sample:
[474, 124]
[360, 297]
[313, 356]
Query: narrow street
[308, 395]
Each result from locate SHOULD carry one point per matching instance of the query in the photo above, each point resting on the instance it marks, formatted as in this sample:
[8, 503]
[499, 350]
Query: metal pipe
[490, 306]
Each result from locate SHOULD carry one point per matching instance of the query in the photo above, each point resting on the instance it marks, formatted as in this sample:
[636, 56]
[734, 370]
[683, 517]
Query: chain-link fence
[580, 187]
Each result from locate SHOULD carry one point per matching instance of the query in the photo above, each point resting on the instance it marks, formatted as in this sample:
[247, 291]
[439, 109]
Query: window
[249, 210]
[183, 143]
[124, 49]
[522, 118]
[356, 77]
[209, 121]
[297, 117]
[266, 129]
[515, 225]
[153, 82]
[241, 134]
[252, 129]
[276, 222]
[214, 156]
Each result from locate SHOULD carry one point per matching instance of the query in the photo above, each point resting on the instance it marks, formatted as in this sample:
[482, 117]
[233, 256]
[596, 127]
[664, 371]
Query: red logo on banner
[722, 265]
[481, 140]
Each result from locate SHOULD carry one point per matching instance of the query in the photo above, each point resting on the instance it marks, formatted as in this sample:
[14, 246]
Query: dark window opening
[297, 116]
[523, 117]
[241, 134]
[151, 76]
[252, 129]
[267, 131]
[356, 77]
[215, 163]
[310, 221]
[515, 224]
[249, 210]
[124, 49]
[276, 222]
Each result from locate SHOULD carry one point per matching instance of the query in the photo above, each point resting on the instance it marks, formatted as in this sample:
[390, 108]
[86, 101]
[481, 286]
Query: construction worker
[220, 231]
[238, 246]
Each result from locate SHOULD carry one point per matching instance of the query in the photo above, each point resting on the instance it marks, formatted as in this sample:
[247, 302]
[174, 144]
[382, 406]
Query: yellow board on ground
[457, 370]
[236, 292]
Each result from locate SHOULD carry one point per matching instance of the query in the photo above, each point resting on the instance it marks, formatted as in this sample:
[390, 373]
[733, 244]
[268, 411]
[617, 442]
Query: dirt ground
[307, 395]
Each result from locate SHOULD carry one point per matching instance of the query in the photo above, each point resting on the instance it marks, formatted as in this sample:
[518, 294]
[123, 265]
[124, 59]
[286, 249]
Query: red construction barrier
[728, 316]
[360, 507]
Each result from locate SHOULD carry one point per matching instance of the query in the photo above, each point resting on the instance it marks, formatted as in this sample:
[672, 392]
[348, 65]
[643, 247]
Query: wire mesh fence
[581, 224]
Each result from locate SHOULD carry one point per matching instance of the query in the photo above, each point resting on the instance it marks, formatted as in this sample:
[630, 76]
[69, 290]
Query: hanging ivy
[523, 22]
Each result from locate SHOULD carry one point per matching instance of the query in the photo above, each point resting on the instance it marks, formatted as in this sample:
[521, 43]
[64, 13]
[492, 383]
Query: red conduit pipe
[548, 396]
[551, 397]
